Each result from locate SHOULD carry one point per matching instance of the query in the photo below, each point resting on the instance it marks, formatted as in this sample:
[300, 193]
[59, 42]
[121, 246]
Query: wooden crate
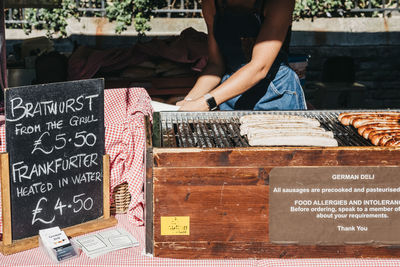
[225, 192]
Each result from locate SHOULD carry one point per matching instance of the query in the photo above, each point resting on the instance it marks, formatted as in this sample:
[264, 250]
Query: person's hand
[181, 103]
[199, 104]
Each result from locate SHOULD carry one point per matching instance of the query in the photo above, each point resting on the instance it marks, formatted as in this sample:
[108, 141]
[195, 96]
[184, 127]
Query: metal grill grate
[221, 129]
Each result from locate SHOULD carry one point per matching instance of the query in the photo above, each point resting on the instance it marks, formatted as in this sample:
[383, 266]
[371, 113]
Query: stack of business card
[106, 241]
[56, 244]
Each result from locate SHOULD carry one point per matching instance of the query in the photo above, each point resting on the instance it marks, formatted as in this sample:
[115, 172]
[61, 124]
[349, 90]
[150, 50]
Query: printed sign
[175, 225]
[334, 205]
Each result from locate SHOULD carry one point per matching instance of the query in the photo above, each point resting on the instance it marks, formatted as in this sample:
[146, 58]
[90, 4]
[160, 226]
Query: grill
[203, 176]
[221, 129]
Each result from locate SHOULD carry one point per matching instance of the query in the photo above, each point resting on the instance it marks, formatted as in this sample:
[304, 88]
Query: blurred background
[346, 53]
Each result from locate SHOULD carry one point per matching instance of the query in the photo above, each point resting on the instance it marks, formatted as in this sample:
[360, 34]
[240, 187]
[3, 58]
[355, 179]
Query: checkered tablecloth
[136, 257]
[124, 114]
[125, 109]
[125, 140]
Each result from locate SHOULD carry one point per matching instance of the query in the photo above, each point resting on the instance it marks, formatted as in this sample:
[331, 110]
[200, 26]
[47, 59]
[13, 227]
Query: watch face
[212, 105]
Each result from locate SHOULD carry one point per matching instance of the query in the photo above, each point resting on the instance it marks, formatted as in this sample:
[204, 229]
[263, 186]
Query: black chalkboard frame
[8, 245]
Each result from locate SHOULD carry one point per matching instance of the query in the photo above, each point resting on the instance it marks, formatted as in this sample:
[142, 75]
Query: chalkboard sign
[55, 145]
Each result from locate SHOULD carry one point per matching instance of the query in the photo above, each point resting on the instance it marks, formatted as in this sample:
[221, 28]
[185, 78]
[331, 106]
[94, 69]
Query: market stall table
[135, 257]
[125, 111]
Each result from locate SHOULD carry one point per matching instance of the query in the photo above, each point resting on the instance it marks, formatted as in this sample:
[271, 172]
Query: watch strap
[210, 100]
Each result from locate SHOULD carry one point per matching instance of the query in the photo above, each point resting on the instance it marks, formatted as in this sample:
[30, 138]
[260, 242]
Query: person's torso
[236, 31]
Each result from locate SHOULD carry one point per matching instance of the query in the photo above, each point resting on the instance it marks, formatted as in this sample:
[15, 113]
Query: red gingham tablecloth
[136, 257]
[124, 114]
[125, 109]
[125, 141]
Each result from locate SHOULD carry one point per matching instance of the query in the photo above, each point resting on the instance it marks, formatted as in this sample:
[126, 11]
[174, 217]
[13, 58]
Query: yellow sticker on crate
[175, 225]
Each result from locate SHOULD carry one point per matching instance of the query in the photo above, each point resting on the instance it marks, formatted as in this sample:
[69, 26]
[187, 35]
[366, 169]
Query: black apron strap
[216, 5]
[220, 8]
[259, 6]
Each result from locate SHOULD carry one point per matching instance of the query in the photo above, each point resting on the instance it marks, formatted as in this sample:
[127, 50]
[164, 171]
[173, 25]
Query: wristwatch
[211, 103]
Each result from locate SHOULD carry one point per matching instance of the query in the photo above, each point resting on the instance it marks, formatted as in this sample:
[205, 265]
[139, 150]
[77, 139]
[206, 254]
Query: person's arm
[278, 17]
[211, 75]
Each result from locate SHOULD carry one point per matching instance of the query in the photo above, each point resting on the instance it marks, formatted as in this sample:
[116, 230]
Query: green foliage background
[52, 20]
[333, 8]
[139, 12]
[124, 12]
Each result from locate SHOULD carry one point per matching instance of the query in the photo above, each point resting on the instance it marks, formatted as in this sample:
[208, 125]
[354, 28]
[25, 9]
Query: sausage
[394, 141]
[277, 118]
[292, 125]
[387, 132]
[385, 139]
[379, 126]
[358, 122]
[346, 118]
[381, 138]
[283, 130]
[369, 132]
[289, 132]
[294, 140]
[341, 115]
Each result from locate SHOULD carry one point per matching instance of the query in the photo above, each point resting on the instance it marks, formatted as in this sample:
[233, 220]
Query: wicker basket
[122, 198]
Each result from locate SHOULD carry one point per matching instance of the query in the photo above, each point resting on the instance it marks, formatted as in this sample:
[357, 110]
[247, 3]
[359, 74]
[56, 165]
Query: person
[247, 69]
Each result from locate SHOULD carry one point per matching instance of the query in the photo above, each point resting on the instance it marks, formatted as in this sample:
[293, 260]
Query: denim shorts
[284, 92]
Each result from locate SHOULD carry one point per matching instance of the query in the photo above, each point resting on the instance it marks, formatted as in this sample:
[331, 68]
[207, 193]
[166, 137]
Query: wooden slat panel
[217, 213]
[225, 194]
[149, 201]
[212, 176]
[210, 250]
[254, 157]
[106, 186]
[5, 199]
[227, 232]
[210, 195]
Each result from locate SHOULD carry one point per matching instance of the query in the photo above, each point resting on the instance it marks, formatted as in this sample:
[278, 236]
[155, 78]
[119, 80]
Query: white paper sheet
[106, 241]
[158, 106]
